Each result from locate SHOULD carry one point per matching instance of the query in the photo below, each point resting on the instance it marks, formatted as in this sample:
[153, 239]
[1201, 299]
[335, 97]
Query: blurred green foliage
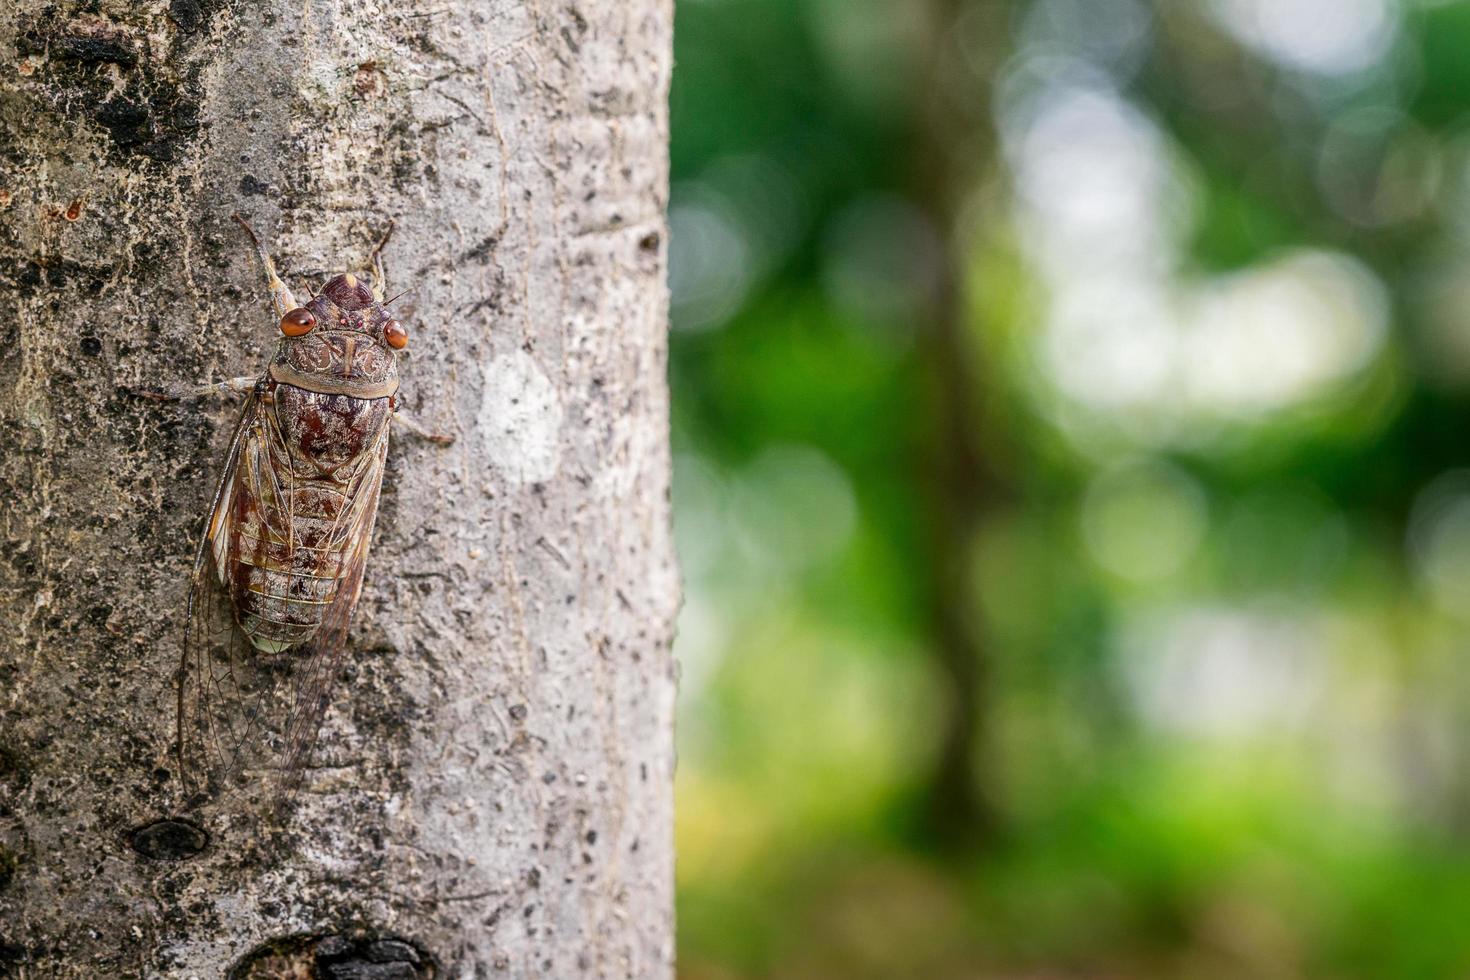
[1214, 289]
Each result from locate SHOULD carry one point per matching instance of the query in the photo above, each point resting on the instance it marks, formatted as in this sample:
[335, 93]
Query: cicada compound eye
[297, 322]
[395, 335]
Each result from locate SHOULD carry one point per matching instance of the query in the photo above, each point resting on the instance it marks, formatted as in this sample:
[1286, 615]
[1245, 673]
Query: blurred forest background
[1073, 488]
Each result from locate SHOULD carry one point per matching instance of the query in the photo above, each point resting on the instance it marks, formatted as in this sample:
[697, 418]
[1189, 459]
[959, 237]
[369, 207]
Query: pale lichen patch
[520, 419]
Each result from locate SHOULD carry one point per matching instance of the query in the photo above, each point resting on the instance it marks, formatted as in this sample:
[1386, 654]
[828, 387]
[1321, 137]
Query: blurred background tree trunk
[954, 151]
[492, 789]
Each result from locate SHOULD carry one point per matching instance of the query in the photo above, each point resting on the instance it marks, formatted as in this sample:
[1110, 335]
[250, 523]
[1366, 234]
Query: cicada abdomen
[280, 566]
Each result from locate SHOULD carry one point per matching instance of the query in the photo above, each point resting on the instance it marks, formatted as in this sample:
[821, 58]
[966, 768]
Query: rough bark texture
[491, 794]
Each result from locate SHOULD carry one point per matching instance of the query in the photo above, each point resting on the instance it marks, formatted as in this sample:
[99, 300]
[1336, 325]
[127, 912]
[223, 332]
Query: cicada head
[344, 341]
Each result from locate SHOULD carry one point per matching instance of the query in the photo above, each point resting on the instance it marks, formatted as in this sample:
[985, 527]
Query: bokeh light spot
[1328, 37]
[1439, 542]
[710, 261]
[1143, 519]
[1223, 671]
[1278, 334]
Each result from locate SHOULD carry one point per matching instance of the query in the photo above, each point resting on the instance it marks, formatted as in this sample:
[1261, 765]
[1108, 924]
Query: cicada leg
[415, 427]
[177, 393]
[280, 292]
[233, 386]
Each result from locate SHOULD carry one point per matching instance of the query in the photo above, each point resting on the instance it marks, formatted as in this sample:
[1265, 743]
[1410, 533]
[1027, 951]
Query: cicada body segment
[299, 505]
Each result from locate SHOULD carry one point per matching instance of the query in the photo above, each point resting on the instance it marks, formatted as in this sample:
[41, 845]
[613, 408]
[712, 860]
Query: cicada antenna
[376, 261]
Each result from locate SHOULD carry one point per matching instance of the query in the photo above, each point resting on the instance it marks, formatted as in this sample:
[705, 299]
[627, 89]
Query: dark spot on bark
[72, 42]
[250, 185]
[11, 953]
[650, 241]
[187, 14]
[91, 346]
[9, 862]
[481, 251]
[127, 122]
[103, 50]
[13, 771]
[518, 712]
[336, 957]
[169, 840]
[53, 273]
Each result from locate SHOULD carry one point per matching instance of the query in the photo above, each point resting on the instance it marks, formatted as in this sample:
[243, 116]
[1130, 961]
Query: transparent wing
[225, 686]
[317, 673]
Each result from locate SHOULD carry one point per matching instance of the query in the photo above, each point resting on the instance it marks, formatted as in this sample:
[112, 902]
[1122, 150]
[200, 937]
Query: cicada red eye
[297, 322]
[395, 335]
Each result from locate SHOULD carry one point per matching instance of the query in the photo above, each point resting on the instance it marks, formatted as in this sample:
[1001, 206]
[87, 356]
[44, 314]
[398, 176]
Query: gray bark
[491, 794]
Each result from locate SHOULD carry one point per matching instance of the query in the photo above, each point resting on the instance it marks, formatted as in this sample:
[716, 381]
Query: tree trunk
[953, 151]
[491, 792]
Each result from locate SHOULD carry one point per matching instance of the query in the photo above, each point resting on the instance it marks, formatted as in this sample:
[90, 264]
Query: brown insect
[280, 566]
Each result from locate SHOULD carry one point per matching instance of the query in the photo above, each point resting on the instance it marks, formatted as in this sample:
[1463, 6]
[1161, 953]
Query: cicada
[279, 567]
